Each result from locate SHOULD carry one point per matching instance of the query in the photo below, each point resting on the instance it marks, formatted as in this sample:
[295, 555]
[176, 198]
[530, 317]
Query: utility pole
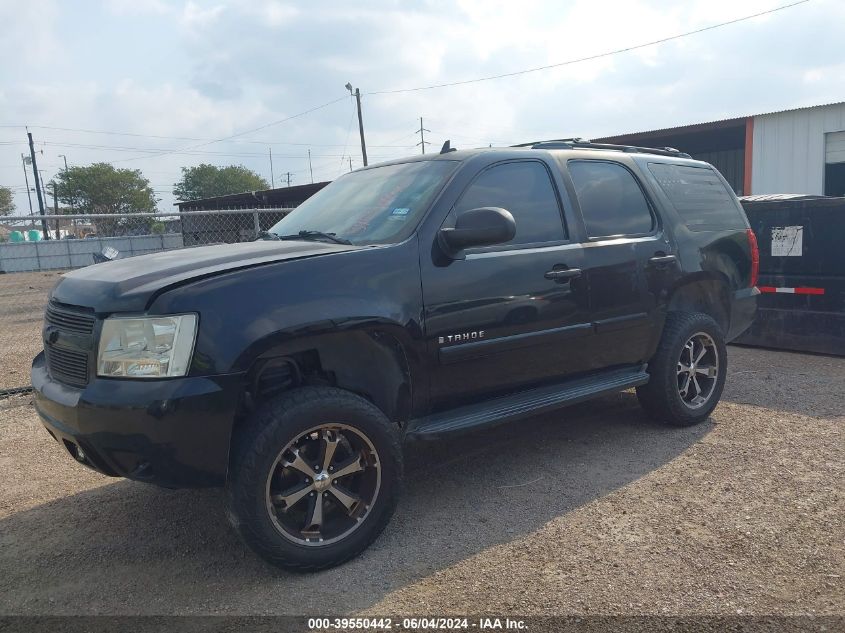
[422, 132]
[52, 184]
[37, 186]
[44, 190]
[310, 167]
[272, 176]
[288, 175]
[350, 163]
[26, 179]
[357, 95]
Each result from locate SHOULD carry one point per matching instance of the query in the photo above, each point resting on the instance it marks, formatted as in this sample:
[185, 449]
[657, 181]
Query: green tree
[208, 181]
[102, 189]
[7, 205]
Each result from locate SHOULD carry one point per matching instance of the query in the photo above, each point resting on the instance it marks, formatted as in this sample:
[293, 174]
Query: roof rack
[582, 143]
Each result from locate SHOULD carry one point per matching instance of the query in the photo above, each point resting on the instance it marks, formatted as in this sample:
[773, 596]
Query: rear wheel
[687, 371]
[314, 479]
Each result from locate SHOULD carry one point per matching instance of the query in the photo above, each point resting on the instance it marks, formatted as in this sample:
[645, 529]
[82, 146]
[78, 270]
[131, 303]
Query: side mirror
[478, 227]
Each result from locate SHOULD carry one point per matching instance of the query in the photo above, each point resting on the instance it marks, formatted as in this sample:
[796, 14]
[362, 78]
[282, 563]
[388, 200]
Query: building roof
[709, 125]
[282, 197]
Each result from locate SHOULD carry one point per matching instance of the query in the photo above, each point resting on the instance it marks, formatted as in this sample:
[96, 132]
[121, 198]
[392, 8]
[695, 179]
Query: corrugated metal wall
[731, 164]
[789, 149]
[835, 147]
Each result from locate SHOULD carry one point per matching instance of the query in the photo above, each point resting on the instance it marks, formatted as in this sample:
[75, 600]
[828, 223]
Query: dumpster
[802, 272]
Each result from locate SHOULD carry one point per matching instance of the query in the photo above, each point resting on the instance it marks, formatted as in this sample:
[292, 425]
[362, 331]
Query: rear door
[504, 316]
[627, 259]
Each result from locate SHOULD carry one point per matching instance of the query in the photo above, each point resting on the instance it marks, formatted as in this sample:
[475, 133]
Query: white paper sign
[787, 241]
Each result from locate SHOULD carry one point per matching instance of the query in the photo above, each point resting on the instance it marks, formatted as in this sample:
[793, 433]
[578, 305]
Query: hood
[127, 285]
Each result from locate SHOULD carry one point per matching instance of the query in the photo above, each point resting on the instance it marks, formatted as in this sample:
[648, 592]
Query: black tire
[661, 397]
[256, 449]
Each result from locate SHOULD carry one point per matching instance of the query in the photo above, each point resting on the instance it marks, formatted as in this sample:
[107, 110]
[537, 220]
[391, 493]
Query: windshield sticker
[400, 211]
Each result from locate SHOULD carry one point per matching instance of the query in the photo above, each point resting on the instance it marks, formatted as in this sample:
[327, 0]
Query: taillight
[755, 257]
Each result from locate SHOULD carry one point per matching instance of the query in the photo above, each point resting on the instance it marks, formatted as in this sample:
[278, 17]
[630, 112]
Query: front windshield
[381, 205]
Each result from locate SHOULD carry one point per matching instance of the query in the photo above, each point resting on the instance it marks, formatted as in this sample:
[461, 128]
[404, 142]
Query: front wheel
[314, 478]
[687, 373]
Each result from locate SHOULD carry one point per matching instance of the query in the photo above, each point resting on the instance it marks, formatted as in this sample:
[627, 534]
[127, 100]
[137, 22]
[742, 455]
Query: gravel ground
[591, 510]
[22, 300]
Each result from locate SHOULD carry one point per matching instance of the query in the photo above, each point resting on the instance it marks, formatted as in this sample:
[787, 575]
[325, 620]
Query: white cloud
[28, 33]
[277, 13]
[211, 69]
[195, 16]
[139, 7]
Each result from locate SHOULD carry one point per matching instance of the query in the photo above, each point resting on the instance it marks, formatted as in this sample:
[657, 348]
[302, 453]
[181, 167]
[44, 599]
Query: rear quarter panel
[722, 254]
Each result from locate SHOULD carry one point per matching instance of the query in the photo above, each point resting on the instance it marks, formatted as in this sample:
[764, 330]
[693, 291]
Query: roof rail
[570, 141]
[581, 143]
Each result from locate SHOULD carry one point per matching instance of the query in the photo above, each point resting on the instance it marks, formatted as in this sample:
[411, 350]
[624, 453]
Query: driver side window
[525, 189]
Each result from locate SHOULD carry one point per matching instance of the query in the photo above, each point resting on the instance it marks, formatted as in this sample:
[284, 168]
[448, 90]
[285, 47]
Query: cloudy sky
[148, 84]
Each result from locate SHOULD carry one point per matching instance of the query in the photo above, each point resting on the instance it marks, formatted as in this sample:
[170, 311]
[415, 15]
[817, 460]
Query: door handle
[563, 273]
[662, 260]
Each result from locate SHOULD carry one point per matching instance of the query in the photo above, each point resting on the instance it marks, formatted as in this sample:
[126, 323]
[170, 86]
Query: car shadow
[128, 548]
[777, 380]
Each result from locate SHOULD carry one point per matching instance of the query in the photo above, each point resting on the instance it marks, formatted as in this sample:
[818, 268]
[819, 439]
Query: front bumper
[173, 432]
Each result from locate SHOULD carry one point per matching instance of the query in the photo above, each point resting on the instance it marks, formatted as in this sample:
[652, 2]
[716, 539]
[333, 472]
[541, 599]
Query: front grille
[67, 357]
[67, 365]
[69, 319]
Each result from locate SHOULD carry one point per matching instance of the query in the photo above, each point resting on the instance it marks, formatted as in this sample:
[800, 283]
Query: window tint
[612, 202]
[699, 195]
[525, 190]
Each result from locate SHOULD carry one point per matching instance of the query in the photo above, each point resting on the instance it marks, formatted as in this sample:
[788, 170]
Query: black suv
[405, 301]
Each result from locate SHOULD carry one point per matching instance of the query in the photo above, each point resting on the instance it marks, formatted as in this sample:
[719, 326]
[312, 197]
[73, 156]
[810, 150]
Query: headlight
[146, 347]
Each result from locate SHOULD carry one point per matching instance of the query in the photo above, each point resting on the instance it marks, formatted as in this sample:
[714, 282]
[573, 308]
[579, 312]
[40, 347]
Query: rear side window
[525, 189]
[611, 200]
[699, 195]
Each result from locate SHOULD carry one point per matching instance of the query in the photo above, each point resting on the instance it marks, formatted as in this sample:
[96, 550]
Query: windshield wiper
[315, 235]
[267, 235]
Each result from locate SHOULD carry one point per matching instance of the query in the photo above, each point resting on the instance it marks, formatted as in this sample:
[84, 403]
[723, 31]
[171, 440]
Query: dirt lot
[591, 510]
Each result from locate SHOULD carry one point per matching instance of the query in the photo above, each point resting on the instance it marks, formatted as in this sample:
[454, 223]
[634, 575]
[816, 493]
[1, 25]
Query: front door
[514, 314]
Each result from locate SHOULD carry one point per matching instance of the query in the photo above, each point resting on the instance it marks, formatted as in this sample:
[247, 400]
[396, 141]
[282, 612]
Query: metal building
[280, 198]
[791, 151]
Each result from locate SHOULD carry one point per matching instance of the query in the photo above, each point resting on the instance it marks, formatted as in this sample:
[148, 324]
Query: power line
[156, 150]
[591, 57]
[165, 137]
[256, 129]
[348, 132]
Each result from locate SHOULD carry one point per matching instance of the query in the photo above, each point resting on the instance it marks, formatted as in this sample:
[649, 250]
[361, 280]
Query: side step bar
[524, 404]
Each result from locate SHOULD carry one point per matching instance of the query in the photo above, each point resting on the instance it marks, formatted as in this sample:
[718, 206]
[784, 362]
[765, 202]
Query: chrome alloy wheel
[698, 370]
[323, 484]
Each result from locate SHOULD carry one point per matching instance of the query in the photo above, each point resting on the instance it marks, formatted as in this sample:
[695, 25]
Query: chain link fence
[32, 264]
[61, 242]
